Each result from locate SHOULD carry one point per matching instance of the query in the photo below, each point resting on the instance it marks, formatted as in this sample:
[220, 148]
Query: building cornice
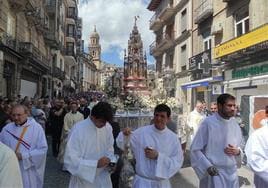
[153, 4]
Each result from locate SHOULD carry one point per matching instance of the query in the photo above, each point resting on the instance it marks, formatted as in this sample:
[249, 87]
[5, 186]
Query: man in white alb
[257, 156]
[70, 119]
[157, 151]
[89, 150]
[27, 139]
[10, 175]
[194, 119]
[215, 152]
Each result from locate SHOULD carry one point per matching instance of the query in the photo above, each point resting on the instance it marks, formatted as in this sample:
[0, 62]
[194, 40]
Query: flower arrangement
[151, 102]
[116, 103]
[134, 101]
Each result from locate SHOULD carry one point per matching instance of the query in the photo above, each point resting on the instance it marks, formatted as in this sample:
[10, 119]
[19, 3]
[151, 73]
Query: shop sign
[201, 62]
[250, 71]
[254, 37]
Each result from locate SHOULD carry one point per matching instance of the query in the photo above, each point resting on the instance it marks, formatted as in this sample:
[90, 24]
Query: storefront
[205, 89]
[248, 80]
[246, 63]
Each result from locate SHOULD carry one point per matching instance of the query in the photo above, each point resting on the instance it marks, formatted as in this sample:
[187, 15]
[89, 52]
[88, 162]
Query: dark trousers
[56, 135]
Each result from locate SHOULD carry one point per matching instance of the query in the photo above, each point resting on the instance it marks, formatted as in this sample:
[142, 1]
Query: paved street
[54, 177]
[186, 178]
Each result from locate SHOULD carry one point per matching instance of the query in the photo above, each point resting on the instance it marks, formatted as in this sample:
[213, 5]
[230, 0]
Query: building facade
[172, 25]
[25, 57]
[106, 73]
[242, 47]
[214, 48]
[40, 41]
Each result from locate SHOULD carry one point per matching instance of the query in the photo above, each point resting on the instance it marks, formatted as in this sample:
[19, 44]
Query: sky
[114, 20]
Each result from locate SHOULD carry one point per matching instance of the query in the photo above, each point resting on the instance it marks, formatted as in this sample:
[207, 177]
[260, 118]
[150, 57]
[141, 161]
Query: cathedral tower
[95, 48]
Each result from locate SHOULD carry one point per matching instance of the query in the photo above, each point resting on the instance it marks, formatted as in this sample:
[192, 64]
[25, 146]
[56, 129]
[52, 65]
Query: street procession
[133, 94]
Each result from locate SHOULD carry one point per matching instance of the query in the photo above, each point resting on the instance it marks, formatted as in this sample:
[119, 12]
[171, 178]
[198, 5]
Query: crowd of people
[86, 141]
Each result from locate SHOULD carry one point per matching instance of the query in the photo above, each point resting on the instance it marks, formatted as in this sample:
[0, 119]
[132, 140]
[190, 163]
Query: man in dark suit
[83, 109]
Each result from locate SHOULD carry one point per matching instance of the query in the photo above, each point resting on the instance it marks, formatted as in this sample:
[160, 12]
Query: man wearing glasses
[27, 139]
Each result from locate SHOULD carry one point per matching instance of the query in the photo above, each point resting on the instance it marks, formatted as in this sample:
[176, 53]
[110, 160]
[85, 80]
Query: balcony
[8, 41]
[204, 11]
[17, 5]
[79, 33]
[51, 7]
[167, 13]
[79, 23]
[52, 39]
[28, 50]
[155, 23]
[58, 73]
[167, 41]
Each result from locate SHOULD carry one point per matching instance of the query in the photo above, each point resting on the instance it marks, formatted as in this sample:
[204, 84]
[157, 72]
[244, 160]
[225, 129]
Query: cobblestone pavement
[54, 176]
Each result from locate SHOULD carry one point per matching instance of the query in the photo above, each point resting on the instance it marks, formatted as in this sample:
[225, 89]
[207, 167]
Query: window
[171, 60]
[184, 21]
[207, 43]
[241, 23]
[61, 64]
[70, 30]
[183, 57]
[71, 12]
[10, 25]
[70, 48]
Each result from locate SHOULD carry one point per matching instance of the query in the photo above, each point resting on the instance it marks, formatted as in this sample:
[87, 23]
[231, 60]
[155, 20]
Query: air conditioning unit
[217, 28]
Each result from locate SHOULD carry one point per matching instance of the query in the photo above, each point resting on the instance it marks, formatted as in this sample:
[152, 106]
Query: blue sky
[114, 20]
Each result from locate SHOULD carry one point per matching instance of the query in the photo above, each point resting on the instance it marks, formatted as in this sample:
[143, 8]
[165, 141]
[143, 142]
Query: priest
[70, 119]
[257, 156]
[27, 139]
[215, 153]
[157, 151]
[89, 150]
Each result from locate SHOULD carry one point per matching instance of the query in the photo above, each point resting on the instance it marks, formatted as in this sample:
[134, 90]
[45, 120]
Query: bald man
[195, 118]
[213, 107]
[27, 139]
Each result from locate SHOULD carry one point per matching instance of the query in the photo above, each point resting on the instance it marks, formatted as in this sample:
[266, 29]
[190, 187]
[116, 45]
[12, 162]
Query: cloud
[114, 20]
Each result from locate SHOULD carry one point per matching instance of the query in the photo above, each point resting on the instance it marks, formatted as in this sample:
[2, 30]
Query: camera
[114, 160]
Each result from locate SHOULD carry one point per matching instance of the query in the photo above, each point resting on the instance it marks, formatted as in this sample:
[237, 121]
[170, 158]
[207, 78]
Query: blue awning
[188, 86]
[201, 83]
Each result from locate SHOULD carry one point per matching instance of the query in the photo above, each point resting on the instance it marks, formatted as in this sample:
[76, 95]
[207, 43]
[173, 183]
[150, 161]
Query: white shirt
[85, 146]
[257, 156]
[154, 173]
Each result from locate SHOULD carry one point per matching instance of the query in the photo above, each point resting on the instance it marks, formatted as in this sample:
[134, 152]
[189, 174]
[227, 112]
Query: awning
[245, 82]
[201, 83]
